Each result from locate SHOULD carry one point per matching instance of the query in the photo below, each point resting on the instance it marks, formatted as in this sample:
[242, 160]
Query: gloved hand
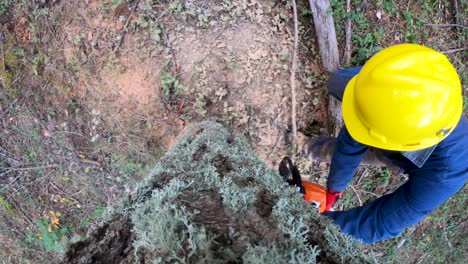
[331, 197]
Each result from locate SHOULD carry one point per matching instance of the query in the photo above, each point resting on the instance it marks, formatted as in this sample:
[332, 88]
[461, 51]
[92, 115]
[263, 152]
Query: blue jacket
[443, 173]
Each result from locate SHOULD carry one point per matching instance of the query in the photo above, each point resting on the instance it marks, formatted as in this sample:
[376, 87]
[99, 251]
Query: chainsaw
[313, 193]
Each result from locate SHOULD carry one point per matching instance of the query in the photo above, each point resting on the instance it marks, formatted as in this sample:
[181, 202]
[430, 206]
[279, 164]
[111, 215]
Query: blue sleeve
[346, 157]
[390, 214]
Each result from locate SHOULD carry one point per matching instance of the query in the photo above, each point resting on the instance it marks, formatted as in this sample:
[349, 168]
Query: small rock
[378, 15]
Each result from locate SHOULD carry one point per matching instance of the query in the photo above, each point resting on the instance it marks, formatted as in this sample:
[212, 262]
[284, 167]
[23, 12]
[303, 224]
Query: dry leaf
[119, 25]
[46, 133]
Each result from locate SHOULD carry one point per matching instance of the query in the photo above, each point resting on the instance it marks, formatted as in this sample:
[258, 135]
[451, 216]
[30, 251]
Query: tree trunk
[326, 36]
[211, 200]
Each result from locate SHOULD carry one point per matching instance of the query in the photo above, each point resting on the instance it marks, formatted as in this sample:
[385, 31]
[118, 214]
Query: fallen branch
[293, 76]
[347, 53]
[454, 50]
[446, 25]
[19, 168]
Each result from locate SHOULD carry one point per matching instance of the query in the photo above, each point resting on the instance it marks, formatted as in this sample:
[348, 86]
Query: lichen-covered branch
[212, 200]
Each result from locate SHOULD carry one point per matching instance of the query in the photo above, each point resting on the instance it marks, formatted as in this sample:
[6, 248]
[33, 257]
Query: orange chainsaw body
[315, 193]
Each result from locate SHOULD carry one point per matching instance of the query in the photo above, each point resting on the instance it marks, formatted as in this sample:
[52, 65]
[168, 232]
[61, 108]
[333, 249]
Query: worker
[402, 109]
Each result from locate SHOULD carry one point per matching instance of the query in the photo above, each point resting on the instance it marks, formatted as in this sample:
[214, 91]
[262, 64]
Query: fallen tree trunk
[211, 200]
[326, 36]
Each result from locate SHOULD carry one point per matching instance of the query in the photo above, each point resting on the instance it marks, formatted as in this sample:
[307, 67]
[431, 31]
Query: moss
[8, 65]
[6, 206]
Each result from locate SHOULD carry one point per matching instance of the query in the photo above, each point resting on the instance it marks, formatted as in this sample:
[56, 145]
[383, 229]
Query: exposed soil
[237, 73]
[93, 106]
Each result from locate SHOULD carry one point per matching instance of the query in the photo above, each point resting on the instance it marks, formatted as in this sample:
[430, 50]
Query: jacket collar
[419, 157]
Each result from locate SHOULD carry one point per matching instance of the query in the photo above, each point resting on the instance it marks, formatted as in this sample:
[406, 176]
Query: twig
[293, 75]
[67, 132]
[454, 50]
[8, 108]
[17, 206]
[357, 195]
[456, 11]
[422, 258]
[171, 50]
[347, 52]
[369, 193]
[408, 234]
[3, 58]
[360, 177]
[92, 162]
[446, 25]
[9, 156]
[64, 193]
[126, 26]
[19, 168]
[30, 183]
[446, 239]
[275, 146]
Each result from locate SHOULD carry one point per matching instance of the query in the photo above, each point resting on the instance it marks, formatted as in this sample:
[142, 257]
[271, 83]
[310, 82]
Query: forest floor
[94, 92]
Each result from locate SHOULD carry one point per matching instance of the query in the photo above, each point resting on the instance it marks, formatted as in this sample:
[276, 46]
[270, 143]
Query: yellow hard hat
[406, 97]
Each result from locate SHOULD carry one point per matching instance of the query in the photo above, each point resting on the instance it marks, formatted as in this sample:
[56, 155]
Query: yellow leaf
[87, 169]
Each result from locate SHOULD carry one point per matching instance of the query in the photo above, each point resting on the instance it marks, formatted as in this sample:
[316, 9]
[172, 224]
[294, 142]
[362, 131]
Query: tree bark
[326, 36]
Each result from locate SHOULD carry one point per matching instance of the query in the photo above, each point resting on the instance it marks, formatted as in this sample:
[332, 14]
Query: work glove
[331, 198]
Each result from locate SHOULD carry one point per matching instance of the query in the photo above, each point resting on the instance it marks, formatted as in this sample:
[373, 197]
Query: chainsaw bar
[290, 173]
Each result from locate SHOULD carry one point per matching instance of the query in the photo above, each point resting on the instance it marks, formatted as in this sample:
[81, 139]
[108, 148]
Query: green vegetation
[50, 233]
[171, 84]
[465, 104]
[4, 5]
[363, 37]
[382, 14]
[6, 206]
[115, 3]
